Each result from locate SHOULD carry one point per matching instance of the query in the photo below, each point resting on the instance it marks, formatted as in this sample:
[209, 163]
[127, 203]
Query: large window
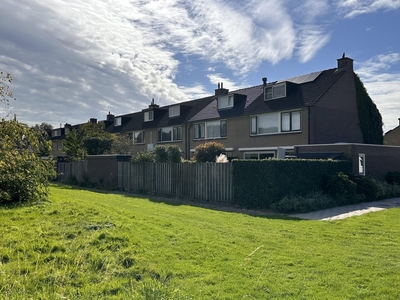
[137, 137]
[148, 116]
[169, 134]
[258, 155]
[56, 132]
[290, 121]
[275, 123]
[225, 101]
[275, 91]
[174, 111]
[210, 130]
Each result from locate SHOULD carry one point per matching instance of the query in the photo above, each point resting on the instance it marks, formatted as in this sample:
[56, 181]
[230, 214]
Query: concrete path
[347, 211]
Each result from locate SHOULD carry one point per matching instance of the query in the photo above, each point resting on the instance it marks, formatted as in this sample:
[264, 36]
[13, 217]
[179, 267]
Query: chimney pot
[264, 80]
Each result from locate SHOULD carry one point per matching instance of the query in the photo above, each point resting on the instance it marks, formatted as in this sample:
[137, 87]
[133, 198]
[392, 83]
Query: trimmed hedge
[259, 184]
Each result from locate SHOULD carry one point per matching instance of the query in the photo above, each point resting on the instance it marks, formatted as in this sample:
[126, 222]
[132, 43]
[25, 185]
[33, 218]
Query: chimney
[221, 91]
[93, 120]
[345, 62]
[110, 117]
[152, 105]
[264, 80]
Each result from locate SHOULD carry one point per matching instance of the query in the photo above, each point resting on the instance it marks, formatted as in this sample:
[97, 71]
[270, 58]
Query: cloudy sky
[72, 60]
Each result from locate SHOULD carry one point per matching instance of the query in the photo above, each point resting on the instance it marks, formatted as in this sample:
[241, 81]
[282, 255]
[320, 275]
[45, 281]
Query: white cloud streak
[352, 8]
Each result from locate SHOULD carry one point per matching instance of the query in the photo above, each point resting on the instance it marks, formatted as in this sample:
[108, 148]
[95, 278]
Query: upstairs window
[275, 91]
[225, 101]
[174, 111]
[275, 123]
[290, 121]
[56, 132]
[149, 116]
[210, 130]
[170, 134]
[117, 121]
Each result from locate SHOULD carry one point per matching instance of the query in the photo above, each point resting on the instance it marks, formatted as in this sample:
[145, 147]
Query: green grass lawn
[89, 245]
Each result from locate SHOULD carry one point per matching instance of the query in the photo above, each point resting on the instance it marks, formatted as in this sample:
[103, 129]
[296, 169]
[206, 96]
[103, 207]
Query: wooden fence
[205, 181]
[67, 169]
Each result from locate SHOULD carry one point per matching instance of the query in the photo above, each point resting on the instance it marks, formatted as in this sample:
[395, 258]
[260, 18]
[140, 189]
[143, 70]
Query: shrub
[367, 187]
[161, 154]
[393, 177]
[208, 151]
[23, 175]
[174, 154]
[340, 185]
[299, 204]
[143, 156]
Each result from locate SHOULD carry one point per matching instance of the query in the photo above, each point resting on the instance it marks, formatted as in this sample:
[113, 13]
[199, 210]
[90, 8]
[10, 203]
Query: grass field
[90, 245]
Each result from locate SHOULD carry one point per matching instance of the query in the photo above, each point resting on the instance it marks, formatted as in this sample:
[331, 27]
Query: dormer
[149, 112]
[225, 101]
[174, 111]
[274, 90]
[117, 121]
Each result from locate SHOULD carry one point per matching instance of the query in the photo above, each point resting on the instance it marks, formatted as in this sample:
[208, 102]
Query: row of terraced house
[267, 120]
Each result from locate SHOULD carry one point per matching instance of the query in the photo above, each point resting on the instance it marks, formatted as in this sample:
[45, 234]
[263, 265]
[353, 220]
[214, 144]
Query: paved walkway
[342, 212]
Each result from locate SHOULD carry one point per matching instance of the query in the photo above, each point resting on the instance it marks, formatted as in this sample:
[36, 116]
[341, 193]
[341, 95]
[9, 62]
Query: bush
[23, 175]
[340, 185]
[393, 177]
[208, 151]
[161, 154]
[144, 156]
[367, 187]
[174, 154]
[299, 204]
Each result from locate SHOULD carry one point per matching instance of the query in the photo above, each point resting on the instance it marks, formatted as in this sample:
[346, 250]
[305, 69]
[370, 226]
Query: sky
[72, 60]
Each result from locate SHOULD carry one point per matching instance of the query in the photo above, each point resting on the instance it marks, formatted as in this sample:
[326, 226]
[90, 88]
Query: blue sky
[80, 59]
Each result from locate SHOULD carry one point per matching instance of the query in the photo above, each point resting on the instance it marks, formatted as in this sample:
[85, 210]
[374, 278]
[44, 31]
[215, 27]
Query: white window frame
[117, 121]
[361, 164]
[134, 135]
[254, 123]
[56, 132]
[223, 130]
[271, 91]
[148, 116]
[174, 134]
[174, 111]
[225, 102]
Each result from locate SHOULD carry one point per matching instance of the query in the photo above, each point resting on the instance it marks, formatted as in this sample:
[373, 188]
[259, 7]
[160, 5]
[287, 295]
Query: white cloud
[383, 85]
[217, 78]
[352, 8]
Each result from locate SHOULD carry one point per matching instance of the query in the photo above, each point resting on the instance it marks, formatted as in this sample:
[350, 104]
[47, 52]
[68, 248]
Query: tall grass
[88, 245]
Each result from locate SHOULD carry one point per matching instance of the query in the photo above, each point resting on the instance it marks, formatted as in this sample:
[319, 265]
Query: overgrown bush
[23, 175]
[144, 156]
[208, 151]
[367, 187]
[340, 185]
[299, 204]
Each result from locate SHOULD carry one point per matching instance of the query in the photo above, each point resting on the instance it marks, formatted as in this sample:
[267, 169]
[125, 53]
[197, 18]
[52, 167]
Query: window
[225, 101]
[148, 116]
[258, 155]
[275, 123]
[275, 91]
[117, 121]
[137, 137]
[264, 124]
[66, 130]
[169, 134]
[59, 145]
[174, 111]
[290, 121]
[56, 132]
[361, 164]
[210, 130]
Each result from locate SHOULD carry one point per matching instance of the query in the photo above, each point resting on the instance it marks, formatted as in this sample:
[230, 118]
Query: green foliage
[5, 91]
[174, 154]
[122, 145]
[44, 148]
[144, 156]
[90, 138]
[23, 175]
[368, 114]
[340, 185]
[301, 204]
[207, 152]
[393, 177]
[161, 154]
[98, 145]
[259, 184]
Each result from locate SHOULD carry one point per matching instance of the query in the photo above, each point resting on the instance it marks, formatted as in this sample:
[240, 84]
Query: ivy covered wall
[368, 115]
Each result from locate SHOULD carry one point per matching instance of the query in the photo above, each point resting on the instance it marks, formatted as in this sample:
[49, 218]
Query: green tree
[122, 144]
[44, 144]
[89, 139]
[208, 151]
[23, 175]
[5, 92]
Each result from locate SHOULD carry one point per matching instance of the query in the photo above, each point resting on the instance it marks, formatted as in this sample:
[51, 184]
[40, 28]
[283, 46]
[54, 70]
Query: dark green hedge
[258, 184]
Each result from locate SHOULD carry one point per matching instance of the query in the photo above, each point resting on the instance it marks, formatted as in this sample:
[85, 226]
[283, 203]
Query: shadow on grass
[175, 201]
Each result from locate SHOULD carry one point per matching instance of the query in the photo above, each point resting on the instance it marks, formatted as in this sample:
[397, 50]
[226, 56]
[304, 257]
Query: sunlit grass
[90, 245]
